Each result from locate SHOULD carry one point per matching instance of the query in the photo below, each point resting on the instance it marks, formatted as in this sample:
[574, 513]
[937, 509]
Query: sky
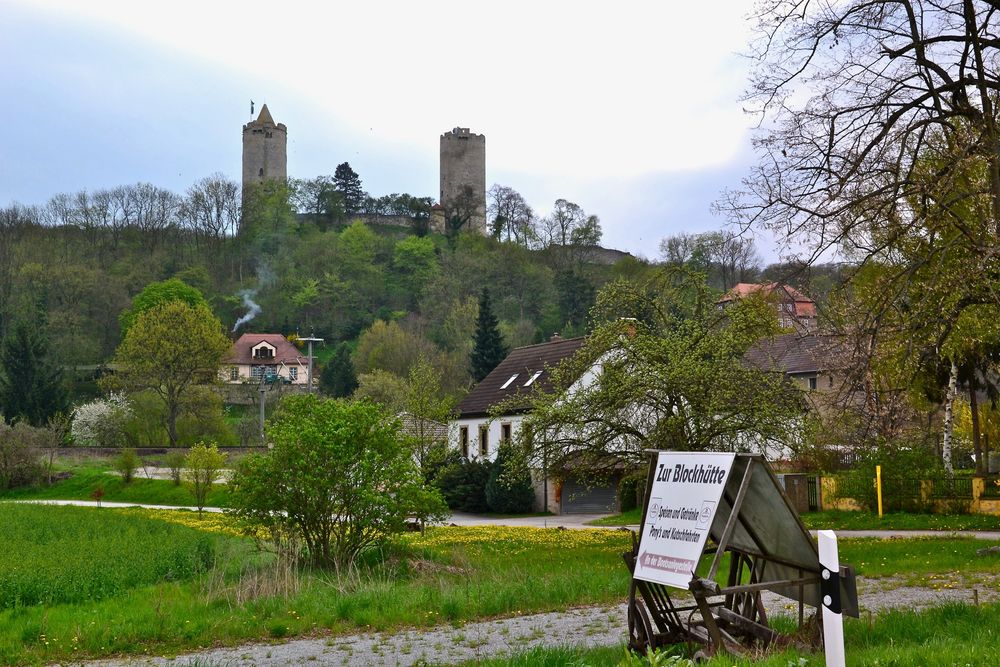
[632, 110]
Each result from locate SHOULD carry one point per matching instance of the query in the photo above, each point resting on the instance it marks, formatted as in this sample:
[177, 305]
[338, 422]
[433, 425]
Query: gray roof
[797, 353]
[524, 363]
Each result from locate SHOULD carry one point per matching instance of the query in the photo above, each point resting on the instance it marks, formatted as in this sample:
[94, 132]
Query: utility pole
[262, 388]
[311, 340]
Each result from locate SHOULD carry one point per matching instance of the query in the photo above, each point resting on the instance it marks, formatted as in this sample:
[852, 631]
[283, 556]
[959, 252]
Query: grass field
[449, 575]
[838, 520]
[956, 635]
[87, 477]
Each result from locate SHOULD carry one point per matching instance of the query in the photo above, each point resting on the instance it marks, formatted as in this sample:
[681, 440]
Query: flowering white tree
[101, 422]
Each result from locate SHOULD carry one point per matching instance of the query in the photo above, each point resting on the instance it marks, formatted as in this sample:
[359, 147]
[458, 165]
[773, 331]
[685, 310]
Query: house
[794, 309]
[477, 434]
[257, 355]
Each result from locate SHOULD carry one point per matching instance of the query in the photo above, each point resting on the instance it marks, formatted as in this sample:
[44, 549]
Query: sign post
[833, 618]
[683, 499]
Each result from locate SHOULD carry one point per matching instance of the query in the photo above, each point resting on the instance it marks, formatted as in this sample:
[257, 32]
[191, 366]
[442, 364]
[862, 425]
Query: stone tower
[463, 163]
[264, 150]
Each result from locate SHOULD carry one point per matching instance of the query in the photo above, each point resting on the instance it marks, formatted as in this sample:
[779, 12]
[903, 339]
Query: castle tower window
[261, 172]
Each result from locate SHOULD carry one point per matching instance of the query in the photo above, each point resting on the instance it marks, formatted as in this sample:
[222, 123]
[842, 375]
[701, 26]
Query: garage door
[579, 498]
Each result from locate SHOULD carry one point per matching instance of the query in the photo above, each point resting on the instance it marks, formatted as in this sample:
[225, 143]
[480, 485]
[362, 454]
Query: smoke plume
[252, 308]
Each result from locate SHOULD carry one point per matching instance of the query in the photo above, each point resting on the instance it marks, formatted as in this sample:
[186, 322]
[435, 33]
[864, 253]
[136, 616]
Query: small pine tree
[31, 385]
[338, 378]
[489, 349]
[348, 184]
[508, 490]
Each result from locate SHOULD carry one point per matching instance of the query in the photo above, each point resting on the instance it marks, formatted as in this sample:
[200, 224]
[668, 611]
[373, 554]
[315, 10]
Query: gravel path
[588, 626]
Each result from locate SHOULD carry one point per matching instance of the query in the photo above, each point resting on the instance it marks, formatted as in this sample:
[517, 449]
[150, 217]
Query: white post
[833, 619]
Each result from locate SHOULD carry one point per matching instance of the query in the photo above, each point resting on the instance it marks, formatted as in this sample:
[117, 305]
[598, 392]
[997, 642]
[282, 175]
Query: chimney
[555, 338]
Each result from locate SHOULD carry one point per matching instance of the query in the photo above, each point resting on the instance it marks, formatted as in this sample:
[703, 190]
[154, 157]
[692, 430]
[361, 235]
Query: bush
[462, 484]
[339, 477]
[102, 422]
[20, 455]
[175, 462]
[203, 466]
[508, 489]
[126, 463]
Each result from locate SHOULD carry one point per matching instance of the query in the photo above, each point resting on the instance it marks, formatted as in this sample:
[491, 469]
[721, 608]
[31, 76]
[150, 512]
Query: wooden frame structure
[769, 550]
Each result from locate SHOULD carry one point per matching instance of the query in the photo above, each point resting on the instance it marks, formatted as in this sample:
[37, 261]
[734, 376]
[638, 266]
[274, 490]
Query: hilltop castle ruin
[462, 165]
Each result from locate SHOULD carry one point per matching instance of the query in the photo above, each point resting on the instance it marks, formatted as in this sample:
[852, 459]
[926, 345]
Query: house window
[507, 383]
[532, 378]
[829, 382]
[234, 374]
[293, 374]
[812, 384]
[484, 440]
[505, 432]
[463, 437]
[257, 371]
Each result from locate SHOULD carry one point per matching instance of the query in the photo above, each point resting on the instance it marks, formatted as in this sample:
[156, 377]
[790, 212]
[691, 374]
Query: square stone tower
[463, 163]
[265, 145]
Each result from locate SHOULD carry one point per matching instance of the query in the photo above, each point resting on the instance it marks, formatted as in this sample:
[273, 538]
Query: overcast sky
[630, 110]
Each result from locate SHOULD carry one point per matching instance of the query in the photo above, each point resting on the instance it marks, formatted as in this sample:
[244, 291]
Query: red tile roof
[804, 306]
[284, 352]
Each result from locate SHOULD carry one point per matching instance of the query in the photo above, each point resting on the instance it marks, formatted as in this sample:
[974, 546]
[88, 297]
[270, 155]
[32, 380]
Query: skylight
[531, 379]
[507, 383]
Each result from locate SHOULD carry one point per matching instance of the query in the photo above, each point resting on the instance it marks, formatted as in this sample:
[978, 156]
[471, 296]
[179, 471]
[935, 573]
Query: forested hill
[71, 267]
[74, 275]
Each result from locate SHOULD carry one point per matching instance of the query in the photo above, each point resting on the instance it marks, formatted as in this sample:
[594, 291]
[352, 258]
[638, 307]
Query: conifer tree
[338, 379]
[348, 184]
[30, 384]
[489, 349]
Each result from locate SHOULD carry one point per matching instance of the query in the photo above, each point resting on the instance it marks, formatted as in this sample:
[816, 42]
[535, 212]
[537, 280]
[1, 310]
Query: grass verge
[840, 520]
[956, 635]
[88, 477]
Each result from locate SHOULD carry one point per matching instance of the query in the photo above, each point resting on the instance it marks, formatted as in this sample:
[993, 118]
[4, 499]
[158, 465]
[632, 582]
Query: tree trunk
[949, 418]
[977, 448]
[172, 422]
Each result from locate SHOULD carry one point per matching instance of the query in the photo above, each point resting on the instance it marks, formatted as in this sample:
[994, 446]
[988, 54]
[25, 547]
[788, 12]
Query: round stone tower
[264, 150]
[463, 164]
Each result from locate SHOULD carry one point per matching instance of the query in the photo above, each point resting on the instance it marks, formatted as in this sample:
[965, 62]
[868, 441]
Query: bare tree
[511, 218]
[212, 208]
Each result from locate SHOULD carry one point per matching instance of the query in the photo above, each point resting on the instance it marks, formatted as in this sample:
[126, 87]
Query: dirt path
[588, 626]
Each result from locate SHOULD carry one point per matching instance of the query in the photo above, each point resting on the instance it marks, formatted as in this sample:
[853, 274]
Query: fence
[934, 494]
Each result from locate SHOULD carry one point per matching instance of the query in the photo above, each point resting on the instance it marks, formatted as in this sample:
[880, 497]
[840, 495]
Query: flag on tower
[251, 107]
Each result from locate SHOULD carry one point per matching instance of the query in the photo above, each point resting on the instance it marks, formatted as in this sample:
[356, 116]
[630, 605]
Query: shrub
[102, 422]
[508, 489]
[175, 463]
[338, 476]
[462, 483]
[20, 455]
[202, 468]
[126, 463]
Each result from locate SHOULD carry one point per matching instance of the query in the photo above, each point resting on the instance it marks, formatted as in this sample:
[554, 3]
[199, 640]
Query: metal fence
[951, 487]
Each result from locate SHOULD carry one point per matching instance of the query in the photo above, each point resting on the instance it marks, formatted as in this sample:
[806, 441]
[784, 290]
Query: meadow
[238, 594]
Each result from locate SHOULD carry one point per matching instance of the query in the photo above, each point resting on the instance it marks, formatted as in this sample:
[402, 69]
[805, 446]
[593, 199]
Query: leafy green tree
[678, 382]
[171, 349]
[31, 386]
[337, 379]
[384, 388]
[338, 477]
[489, 349]
[427, 406]
[155, 294]
[348, 184]
[202, 468]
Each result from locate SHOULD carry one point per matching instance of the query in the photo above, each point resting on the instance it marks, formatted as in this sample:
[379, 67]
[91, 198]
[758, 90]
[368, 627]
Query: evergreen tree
[348, 184]
[338, 379]
[30, 384]
[489, 349]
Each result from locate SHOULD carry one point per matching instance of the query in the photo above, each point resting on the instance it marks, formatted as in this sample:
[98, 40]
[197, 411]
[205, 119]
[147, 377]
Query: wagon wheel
[640, 629]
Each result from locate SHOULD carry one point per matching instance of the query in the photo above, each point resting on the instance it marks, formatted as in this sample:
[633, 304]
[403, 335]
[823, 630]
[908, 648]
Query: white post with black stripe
[833, 619]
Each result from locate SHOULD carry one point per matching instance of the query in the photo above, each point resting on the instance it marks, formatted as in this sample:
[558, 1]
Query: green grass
[80, 554]
[87, 477]
[449, 575]
[840, 520]
[957, 635]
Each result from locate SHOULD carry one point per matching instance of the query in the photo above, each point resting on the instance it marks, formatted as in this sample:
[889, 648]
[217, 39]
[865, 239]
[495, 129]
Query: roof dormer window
[507, 383]
[532, 378]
